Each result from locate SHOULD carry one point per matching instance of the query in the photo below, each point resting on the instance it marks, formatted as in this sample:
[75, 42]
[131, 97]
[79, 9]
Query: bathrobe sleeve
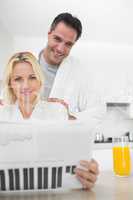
[73, 83]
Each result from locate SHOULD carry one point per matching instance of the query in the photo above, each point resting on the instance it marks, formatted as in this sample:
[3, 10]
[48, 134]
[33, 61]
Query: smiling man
[61, 39]
[65, 30]
[63, 79]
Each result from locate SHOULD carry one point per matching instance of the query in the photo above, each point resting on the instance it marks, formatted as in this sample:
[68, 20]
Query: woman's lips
[26, 92]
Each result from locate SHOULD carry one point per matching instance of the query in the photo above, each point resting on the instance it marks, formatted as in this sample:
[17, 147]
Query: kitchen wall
[6, 47]
[33, 44]
[111, 66]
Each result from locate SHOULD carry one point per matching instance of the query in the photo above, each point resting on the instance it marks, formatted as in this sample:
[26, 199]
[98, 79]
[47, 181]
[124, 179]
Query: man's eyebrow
[57, 36]
[67, 42]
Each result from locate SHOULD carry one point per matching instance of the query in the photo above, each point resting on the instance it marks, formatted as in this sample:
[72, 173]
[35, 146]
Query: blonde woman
[22, 100]
[22, 89]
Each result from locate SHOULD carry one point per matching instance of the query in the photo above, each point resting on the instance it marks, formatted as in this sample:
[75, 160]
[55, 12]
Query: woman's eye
[17, 79]
[33, 77]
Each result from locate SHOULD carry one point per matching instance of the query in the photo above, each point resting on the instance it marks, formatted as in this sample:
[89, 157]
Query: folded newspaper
[42, 155]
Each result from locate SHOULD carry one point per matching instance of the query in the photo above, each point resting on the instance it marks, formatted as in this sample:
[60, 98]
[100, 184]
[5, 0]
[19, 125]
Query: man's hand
[61, 101]
[87, 176]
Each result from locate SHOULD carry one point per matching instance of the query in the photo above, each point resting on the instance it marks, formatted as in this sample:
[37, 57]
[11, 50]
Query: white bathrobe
[73, 85]
[42, 111]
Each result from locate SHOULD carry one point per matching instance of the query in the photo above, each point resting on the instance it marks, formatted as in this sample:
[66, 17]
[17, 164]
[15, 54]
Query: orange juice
[121, 160]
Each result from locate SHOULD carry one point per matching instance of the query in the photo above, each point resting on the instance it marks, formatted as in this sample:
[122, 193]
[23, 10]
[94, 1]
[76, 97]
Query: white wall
[111, 66]
[33, 44]
[6, 47]
[105, 159]
[103, 21]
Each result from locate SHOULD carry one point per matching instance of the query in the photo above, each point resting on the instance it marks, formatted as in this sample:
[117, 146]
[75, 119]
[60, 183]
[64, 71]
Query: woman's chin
[27, 98]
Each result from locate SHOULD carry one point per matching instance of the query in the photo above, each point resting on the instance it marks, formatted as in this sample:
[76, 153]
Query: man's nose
[61, 48]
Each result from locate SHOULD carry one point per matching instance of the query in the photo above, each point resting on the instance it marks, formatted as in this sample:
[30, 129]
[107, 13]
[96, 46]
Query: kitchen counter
[108, 187]
[111, 187]
[102, 146]
[105, 145]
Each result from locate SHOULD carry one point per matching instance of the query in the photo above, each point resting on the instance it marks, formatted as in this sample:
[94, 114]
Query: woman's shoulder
[6, 111]
[3, 106]
[6, 107]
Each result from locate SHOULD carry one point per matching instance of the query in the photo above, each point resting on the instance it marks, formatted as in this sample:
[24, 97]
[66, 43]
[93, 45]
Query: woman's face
[24, 82]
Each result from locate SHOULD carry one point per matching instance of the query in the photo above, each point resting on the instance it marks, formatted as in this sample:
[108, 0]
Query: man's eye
[69, 45]
[57, 39]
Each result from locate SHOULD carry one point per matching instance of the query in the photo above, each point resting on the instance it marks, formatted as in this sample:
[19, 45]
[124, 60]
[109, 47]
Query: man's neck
[46, 58]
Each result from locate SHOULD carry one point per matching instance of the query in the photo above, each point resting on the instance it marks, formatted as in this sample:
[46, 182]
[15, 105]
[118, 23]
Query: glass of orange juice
[121, 156]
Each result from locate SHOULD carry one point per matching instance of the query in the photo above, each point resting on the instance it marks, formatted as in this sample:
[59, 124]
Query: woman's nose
[25, 84]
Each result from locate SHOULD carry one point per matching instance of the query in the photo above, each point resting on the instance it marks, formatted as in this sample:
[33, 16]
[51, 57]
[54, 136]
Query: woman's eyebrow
[16, 75]
[33, 74]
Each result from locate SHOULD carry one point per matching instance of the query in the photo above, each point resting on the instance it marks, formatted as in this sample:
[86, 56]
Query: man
[64, 81]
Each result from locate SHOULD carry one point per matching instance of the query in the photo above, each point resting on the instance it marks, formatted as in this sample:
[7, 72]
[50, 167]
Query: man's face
[60, 42]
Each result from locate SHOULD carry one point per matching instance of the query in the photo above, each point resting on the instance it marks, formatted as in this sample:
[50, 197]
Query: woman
[23, 83]
[22, 87]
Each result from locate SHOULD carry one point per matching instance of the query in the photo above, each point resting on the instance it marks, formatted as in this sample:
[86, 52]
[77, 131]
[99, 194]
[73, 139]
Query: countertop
[108, 187]
[106, 145]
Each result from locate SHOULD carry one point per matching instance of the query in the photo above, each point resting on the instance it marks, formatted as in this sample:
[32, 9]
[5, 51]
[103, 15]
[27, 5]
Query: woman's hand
[61, 101]
[87, 176]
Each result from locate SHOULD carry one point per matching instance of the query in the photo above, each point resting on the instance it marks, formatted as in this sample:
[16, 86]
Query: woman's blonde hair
[20, 57]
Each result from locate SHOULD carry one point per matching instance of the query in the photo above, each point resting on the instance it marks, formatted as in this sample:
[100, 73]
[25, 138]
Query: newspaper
[42, 155]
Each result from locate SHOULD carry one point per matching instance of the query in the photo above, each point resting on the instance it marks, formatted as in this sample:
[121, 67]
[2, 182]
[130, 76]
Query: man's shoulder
[71, 64]
[71, 60]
